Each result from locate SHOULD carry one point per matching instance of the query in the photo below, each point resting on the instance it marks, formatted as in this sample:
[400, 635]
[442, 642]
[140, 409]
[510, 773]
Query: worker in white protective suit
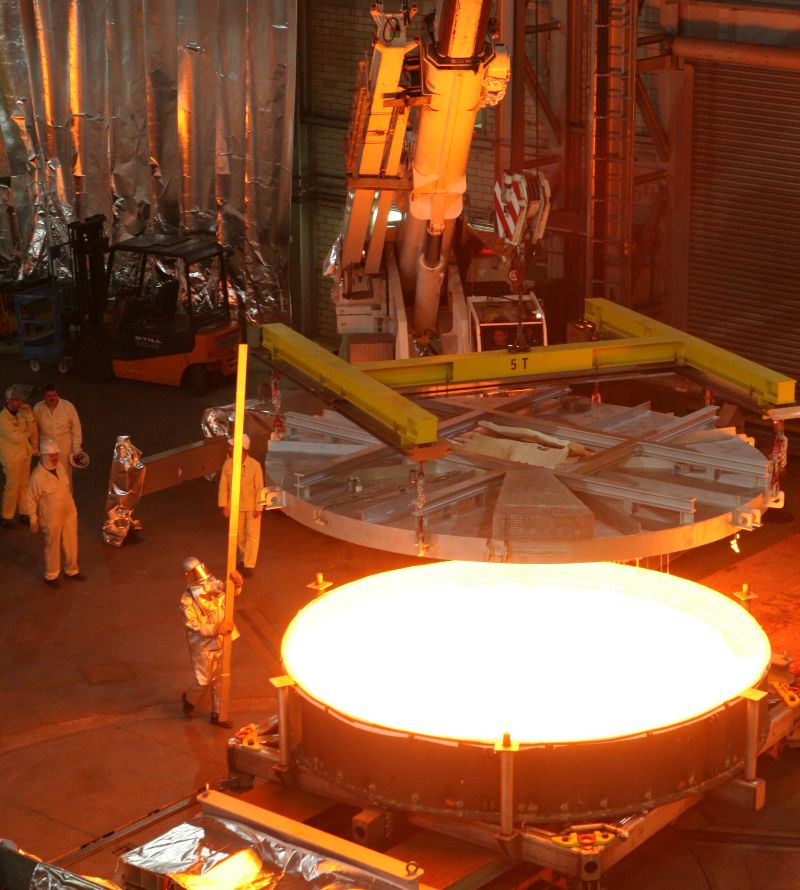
[57, 420]
[252, 482]
[203, 608]
[18, 440]
[51, 508]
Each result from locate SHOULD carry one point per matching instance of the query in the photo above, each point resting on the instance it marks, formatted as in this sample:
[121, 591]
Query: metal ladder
[610, 187]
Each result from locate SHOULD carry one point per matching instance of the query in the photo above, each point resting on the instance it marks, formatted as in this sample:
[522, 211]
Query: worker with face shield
[50, 506]
[203, 608]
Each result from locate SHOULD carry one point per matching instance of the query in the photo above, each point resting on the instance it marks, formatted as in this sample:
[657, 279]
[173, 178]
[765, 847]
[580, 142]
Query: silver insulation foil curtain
[163, 115]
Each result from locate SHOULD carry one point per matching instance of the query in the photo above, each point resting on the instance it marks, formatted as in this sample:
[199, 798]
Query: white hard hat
[79, 460]
[17, 391]
[245, 441]
[48, 446]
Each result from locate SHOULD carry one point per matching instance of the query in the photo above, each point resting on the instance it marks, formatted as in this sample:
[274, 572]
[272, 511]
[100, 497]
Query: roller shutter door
[744, 249]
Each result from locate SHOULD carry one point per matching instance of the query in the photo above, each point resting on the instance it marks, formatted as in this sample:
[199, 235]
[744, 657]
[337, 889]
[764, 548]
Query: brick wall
[341, 33]
[340, 36]
[328, 225]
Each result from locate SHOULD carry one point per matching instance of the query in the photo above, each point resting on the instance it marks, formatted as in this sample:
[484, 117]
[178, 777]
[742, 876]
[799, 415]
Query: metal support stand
[780, 455]
[753, 696]
[748, 791]
[422, 544]
[506, 750]
[275, 393]
[284, 766]
[745, 597]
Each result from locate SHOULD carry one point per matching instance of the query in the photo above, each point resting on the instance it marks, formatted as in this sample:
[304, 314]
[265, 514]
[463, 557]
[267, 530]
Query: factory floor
[92, 736]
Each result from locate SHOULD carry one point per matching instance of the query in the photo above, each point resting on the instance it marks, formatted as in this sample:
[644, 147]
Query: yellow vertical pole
[233, 526]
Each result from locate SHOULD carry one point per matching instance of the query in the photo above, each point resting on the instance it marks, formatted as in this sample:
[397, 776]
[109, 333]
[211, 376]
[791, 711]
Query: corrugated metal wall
[777, 5]
[744, 253]
[162, 115]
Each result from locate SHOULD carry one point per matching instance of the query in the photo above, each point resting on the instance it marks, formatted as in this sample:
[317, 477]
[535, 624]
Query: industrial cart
[40, 327]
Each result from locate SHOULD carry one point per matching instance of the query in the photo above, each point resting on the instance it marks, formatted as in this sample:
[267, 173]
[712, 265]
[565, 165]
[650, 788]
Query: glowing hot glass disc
[546, 653]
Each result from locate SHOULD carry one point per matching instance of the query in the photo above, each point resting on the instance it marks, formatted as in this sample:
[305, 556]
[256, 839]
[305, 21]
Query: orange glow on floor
[546, 653]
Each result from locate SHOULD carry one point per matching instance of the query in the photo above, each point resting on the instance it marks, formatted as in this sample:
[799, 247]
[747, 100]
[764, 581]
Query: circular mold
[620, 685]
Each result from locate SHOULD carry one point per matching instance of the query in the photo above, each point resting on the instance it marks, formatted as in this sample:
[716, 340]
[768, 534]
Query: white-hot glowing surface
[546, 653]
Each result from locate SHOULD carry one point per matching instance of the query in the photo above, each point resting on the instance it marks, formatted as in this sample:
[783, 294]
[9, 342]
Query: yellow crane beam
[628, 340]
[542, 361]
[758, 384]
[390, 416]
[366, 391]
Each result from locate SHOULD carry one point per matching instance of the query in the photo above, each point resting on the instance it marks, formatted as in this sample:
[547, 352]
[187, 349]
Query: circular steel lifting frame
[648, 483]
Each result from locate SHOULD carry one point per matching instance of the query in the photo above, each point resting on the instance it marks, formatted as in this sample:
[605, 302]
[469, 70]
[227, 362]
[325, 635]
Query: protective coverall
[51, 508]
[63, 426]
[249, 511]
[17, 443]
[203, 608]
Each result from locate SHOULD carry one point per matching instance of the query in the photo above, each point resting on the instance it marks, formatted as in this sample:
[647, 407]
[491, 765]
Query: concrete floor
[92, 736]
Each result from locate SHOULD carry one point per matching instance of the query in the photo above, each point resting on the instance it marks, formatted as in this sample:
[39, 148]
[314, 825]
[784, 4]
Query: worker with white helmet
[57, 419]
[50, 507]
[17, 445]
[249, 510]
[203, 608]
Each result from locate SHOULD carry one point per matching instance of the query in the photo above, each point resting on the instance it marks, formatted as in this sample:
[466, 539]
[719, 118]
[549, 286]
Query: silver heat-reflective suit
[50, 506]
[202, 616]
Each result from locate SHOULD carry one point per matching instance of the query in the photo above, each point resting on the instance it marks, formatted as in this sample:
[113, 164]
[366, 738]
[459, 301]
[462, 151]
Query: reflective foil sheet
[165, 116]
[258, 424]
[125, 483]
[10, 257]
[45, 252]
[50, 877]
[211, 852]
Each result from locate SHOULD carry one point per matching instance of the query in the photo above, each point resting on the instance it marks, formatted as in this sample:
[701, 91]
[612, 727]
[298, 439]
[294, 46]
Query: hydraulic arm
[409, 140]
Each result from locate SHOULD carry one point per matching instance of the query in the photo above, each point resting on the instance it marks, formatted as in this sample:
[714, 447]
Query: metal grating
[744, 265]
[534, 506]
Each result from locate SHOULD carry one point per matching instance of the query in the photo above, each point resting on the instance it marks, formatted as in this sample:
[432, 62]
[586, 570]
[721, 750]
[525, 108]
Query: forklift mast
[89, 246]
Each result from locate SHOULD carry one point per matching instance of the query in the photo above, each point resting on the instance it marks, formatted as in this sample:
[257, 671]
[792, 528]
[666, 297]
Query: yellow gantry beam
[567, 358]
[405, 424]
[765, 387]
[641, 343]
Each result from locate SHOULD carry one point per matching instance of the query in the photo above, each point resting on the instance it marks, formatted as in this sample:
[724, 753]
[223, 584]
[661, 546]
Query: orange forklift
[156, 310]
